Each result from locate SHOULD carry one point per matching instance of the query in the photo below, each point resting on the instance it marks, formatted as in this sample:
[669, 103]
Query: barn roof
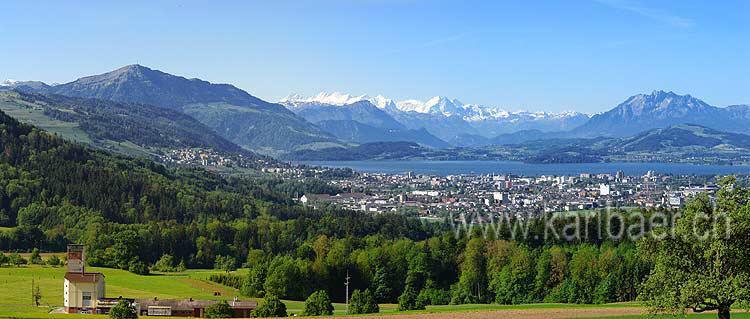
[83, 277]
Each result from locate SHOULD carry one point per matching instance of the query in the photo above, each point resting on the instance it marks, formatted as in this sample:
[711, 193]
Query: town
[436, 197]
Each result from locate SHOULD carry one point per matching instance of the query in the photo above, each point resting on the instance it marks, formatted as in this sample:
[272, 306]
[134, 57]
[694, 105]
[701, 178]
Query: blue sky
[584, 55]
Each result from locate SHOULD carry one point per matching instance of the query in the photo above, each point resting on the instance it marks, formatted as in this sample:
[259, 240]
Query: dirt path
[518, 314]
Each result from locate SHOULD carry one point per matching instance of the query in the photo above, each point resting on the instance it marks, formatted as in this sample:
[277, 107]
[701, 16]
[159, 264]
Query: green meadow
[16, 301]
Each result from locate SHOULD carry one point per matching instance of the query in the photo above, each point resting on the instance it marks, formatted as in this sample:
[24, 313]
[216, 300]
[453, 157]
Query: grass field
[35, 116]
[16, 302]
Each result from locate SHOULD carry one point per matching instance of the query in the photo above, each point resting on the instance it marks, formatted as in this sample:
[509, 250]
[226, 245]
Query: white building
[83, 290]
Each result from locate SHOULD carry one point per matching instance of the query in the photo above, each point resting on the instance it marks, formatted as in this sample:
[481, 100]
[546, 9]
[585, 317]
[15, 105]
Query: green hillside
[127, 128]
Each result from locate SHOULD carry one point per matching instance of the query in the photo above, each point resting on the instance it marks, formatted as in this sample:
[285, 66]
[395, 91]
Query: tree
[3, 259]
[123, 310]
[380, 285]
[318, 304]
[409, 300]
[138, 267]
[270, 306]
[167, 264]
[363, 302]
[252, 286]
[705, 265]
[35, 257]
[37, 294]
[472, 281]
[220, 309]
[225, 263]
[514, 282]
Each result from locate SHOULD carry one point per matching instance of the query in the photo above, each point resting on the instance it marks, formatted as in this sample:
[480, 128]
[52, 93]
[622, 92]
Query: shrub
[16, 259]
[434, 296]
[35, 257]
[363, 302]
[137, 267]
[54, 261]
[318, 304]
[270, 306]
[123, 310]
[167, 264]
[220, 309]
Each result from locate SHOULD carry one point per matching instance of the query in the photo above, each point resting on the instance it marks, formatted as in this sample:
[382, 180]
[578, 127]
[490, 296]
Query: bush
[270, 306]
[137, 267]
[363, 302]
[54, 261]
[409, 300]
[123, 310]
[318, 304]
[220, 309]
[434, 296]
[35, 257]
[16, 259]
[167, 264]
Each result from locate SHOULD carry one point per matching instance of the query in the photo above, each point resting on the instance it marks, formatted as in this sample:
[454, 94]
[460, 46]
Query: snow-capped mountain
[9, 82]
[24, 85]
[438, 105]
[336, 99]
[448, 118]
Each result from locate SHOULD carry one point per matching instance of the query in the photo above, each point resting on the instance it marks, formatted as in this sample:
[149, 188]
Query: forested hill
[54, 192]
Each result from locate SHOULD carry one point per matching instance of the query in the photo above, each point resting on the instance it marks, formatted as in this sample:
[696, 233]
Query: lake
[526, 169]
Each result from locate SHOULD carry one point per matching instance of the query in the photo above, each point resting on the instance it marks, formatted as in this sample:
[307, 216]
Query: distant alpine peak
[336, 98]
[10, 82]
[661, 101]
[437, 106]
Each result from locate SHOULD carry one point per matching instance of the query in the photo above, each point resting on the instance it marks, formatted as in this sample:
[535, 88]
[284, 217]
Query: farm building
[189, 307]
[85, 294]
[82, 289]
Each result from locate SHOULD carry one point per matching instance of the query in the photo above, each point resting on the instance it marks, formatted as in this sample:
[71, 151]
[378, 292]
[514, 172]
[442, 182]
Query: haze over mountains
[342, 121]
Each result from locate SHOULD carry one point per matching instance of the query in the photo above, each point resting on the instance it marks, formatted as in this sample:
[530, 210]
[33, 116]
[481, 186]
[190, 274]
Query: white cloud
[651, 13]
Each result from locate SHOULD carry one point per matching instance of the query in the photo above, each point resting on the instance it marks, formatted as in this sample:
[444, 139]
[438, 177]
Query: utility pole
[347, 291]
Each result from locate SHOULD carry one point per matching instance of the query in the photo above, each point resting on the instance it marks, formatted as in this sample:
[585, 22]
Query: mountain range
[231, 112]
[195, 112]
[662, 109]
[449, 119]
[678, 143]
